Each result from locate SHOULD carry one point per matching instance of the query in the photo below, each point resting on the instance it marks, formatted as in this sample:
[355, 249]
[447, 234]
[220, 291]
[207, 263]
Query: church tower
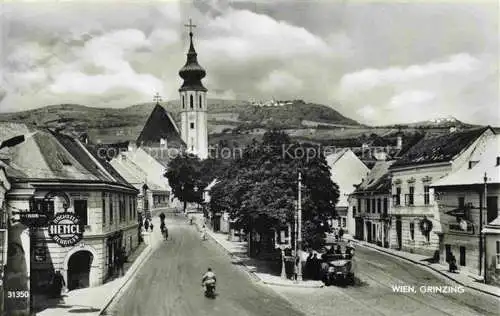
[193, 96]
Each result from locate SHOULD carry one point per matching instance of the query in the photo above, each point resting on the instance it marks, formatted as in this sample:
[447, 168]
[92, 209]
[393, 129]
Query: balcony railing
[409, 200]
[462, 227]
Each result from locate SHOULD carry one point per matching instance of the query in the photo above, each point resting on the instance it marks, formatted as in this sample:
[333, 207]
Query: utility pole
[482, 207]
[485, 203]
[299, 229]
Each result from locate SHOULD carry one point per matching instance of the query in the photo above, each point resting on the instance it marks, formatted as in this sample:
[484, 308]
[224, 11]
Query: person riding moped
[209, 279]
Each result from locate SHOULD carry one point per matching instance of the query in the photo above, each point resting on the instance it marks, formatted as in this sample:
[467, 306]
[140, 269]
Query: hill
[109, 125]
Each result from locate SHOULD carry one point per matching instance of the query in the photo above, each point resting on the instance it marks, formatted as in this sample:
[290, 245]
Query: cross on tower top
[191, 26]
[157, 98]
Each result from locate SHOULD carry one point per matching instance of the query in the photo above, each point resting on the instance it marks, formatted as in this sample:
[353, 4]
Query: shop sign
[66, 229]
[40, 253]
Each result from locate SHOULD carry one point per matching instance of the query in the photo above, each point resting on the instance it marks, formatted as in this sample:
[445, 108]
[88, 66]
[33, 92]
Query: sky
[376, 62]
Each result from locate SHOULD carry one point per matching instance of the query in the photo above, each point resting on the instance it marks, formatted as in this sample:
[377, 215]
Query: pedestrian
[58, 284]
[203, 233]
[349, 249]
[146, 225]
[120, 261]
[341, 233]
[308, 268]
[338, 250]
[316, 267]
[453, 263]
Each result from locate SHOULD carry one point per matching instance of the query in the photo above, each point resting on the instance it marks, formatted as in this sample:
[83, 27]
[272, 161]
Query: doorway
[399, 233]
[79, 269]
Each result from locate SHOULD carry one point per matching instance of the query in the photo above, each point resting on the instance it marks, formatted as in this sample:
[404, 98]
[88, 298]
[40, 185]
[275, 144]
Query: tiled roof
[159, 125]
[441, 148]
[486, 163]
[139, 167]
[378, 180]
[49, 155]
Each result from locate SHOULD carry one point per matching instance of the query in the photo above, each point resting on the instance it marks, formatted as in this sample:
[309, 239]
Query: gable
[159, 125]
[443, 148]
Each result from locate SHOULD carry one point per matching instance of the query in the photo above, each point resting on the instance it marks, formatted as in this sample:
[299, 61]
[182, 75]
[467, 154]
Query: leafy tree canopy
[260, 190]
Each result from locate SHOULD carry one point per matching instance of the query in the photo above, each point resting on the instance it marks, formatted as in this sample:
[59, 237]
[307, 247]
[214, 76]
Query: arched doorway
[79, 269]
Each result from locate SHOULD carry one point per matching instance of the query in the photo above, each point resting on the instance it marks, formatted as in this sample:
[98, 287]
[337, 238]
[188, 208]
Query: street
[373, 295]
[170, 284]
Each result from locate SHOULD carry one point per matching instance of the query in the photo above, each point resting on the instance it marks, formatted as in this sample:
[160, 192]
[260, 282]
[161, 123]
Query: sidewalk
[463, 279]
[260, 269]
[94, 300]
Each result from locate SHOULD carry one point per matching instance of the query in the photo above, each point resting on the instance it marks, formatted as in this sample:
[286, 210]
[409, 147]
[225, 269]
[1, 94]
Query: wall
[94, 237]
[492, 272]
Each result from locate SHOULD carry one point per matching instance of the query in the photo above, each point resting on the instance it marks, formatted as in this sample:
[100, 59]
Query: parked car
[337, 267]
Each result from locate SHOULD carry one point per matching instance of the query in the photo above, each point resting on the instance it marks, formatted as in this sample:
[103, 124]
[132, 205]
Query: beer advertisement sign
[66, 229]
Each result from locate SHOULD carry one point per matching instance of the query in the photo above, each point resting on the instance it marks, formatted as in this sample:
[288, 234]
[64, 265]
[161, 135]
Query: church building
[193, 96]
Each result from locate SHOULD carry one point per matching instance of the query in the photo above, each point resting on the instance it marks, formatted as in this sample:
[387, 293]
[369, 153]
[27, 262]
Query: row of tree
[259, 189]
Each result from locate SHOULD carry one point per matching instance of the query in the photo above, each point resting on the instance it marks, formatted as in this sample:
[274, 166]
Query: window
[199, 101]
[367, 205]
[183, 101]
[130, 208]
[462, 256]
[498, 255]
[81, 210]
[386, 206]
[398, 196]
[379, 206]
[46, 207]
[191, 101]
[64, 159]
[353, 211]
[491, 208]
[111, 209]
[426, 195]
[103, 208]
[461, 202]
[412, 193]
[447, 252]
[412, 231]
[359, 205]
[191, 125]
[374, 209]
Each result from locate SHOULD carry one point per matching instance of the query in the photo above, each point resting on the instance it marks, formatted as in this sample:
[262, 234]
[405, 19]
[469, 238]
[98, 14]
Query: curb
[255, 275]
[128, 276]
[427, 267]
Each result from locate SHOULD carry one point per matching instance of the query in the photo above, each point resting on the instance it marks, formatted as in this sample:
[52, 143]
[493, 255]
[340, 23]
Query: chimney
[84, 138]
[399, 142]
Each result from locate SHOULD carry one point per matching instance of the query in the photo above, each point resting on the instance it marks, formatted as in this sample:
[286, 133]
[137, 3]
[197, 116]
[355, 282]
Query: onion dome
[192, 72]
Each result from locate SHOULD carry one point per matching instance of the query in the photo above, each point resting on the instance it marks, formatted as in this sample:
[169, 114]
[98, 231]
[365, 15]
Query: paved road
[170, 282]
[373, 295]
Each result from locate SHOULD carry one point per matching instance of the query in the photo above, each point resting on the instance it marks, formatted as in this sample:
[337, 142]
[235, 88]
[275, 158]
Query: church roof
[160, 125]
[192, 72]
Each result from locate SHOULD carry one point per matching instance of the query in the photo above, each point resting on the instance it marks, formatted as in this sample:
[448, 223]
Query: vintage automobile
[338, 268]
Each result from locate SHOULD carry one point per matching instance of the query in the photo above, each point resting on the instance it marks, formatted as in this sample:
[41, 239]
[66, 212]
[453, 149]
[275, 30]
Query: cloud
[372, 78]
[279, 81]
[221, 94]
[242, 35]
[381, 70]
[410, 98]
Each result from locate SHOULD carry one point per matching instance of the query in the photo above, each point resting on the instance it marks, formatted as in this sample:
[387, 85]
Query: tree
[184, 176]
[260, 189]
